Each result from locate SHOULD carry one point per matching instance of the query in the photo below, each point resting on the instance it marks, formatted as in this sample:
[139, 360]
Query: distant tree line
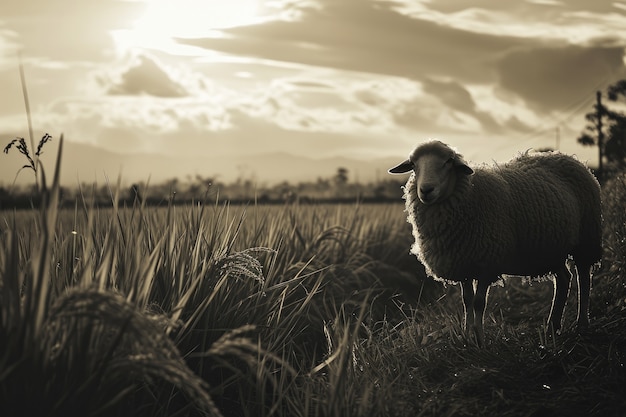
[335, 189]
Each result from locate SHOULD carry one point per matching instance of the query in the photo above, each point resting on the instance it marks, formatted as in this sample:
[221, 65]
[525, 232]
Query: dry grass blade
[26, 103]
[11, 288]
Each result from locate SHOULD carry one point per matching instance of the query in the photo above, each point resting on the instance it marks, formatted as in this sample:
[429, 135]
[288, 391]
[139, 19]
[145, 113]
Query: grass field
[283, 311]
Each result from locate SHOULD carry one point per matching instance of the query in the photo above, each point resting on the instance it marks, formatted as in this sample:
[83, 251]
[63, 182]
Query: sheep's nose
[426, 189]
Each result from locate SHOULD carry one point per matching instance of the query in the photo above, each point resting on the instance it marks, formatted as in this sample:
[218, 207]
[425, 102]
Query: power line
[572, 110]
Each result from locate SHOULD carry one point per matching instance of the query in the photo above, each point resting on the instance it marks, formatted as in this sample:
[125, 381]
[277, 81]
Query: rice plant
[32, 160]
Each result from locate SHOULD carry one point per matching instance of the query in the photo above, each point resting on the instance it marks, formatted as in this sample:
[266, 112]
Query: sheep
[525, 218]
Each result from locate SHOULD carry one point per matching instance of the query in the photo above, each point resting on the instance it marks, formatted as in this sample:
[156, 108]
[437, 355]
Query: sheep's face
[436, 167]
[434, 177]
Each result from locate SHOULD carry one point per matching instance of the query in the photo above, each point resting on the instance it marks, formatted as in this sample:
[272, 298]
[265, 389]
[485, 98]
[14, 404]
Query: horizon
[318, 79]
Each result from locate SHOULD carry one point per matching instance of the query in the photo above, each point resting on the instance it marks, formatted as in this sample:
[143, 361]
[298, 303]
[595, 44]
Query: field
[294, 310]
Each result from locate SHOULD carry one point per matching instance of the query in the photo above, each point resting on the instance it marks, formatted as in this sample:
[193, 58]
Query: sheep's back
[559, 211]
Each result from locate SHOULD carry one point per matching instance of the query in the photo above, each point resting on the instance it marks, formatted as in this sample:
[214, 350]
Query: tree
[606, 129]
[341, 177]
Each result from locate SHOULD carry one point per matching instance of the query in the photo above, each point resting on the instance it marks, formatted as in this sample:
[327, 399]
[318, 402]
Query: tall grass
[213, 309]
[123, 304]
[82, 347]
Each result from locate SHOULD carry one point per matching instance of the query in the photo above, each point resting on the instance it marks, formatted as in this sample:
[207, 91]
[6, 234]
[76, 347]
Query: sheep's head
[436, 167]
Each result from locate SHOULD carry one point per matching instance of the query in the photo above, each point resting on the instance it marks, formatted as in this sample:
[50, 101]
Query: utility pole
[599, 114]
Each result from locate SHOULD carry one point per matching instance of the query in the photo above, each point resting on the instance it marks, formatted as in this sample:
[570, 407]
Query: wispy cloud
[571, 21]
[357, 36]
[438, 39]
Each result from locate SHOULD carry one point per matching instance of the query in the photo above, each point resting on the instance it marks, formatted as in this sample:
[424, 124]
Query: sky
[192, 84]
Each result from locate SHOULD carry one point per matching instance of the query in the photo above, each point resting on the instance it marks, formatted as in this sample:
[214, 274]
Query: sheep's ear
[462, 166]
[401, 168]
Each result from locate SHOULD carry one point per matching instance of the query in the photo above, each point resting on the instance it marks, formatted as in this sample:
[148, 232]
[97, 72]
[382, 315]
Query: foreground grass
[287, 311]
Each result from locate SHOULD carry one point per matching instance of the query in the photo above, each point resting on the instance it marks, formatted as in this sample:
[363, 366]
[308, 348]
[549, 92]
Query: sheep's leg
[467, 291]
[480, 303]
[561, 290]
[584, 288]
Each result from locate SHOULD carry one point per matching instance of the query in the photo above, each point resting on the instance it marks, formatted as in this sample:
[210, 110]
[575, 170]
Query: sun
[164, 20]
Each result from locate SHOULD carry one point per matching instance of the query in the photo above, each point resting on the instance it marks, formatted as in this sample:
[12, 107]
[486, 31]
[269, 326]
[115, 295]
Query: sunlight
[165, 20]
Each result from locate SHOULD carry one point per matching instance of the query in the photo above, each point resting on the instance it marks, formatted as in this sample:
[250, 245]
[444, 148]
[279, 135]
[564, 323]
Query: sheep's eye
[448, 162]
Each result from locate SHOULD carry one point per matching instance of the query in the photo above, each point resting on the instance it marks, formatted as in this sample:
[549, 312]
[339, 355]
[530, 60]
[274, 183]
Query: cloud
[368, 37]
[323, 101]
[302, 114]
[515, 124]
[305, 102]
[553, 78]
[575, 22]
[445, 42]
[146, 77]
[452, 94]
[456, 97]
[499, 13]
[173, 131]
[529, 6]
[96, 120]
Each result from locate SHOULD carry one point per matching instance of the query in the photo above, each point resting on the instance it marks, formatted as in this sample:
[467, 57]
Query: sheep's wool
[520, 218]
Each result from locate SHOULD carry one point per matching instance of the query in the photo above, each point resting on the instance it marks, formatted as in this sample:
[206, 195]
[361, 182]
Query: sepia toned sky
[362, 79]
